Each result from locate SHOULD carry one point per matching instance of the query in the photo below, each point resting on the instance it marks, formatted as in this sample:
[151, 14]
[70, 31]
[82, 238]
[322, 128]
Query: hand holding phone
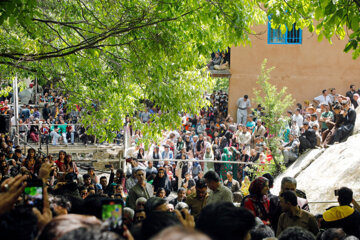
[33, 194]
[11, 189]
[112, 212]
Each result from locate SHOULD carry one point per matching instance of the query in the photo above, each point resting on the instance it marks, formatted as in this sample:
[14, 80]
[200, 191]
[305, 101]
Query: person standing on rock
[243, 105]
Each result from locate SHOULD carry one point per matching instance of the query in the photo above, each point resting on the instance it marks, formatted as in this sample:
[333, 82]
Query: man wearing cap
[141, 189]
[307, 138]
[243, 106]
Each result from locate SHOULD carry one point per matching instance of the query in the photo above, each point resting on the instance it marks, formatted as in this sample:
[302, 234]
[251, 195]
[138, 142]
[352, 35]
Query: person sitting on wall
[224, 64]
[215, 61]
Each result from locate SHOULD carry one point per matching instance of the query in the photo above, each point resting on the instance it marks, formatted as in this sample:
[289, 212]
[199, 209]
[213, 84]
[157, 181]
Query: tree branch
[17, 66]
[90, 42]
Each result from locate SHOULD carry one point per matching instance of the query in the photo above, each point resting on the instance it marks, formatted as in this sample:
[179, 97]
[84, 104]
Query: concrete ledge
[220, 73]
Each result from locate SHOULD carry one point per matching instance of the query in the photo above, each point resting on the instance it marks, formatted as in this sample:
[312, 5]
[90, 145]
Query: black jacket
[344, 217]
[311, 136]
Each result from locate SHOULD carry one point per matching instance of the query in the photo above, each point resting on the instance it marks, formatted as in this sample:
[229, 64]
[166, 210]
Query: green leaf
[283, 29]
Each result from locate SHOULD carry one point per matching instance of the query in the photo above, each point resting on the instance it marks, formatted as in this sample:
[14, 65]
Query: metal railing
[204, 161]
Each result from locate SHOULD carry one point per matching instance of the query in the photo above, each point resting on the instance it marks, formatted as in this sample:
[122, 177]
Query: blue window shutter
[290, 37]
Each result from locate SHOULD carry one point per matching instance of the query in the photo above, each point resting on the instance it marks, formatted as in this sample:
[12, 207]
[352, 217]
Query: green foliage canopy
[115, 53]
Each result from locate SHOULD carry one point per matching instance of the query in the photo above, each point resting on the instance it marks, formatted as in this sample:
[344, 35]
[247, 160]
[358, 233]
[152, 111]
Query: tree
[275, 104]
[327, 18]
[114, 54]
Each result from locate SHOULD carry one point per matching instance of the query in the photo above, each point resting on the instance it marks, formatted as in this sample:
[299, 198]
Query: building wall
[305, 69]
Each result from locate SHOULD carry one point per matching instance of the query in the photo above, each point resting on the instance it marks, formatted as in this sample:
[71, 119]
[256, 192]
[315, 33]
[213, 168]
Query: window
[290, 37]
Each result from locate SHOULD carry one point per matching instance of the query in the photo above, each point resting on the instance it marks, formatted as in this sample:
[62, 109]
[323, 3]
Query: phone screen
[33, 196]
[112, 211]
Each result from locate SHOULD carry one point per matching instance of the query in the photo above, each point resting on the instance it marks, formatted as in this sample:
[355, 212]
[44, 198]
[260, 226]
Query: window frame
[285, 36]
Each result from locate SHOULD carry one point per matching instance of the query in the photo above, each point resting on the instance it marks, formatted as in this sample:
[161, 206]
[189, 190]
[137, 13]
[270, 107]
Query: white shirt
[244, 138]
[322, 99]
[241, 103]
[298, 119]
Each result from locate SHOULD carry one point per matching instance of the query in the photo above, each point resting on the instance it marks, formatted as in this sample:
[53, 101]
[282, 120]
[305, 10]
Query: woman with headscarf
[189, 147]
[225, 167]
[217, 157]
[179, 145]
[156, 155]
[209, 156]
[235, 167]
[141, 154]
[162, 181]
[257, 202]
[200, 148]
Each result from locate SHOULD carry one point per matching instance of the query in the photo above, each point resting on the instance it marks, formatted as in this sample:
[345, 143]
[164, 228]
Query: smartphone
[112, 212]
[33, 194]
[108, 165]
[336, 192]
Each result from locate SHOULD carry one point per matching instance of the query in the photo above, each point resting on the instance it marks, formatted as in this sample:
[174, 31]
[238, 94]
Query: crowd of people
[214, 200]
[72, 206]
[330, 119]
[50, 121]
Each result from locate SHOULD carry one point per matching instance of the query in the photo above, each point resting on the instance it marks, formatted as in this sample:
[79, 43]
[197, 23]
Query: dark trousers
[342, 132]
[304, 144]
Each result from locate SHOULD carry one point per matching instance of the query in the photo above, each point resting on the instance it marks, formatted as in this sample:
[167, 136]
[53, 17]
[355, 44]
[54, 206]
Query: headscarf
[226, 151]
[208, 154]
[163, 182]
[257, 185]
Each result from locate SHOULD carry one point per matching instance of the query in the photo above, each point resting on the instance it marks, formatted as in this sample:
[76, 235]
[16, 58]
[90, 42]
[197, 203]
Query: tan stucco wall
[305, 69]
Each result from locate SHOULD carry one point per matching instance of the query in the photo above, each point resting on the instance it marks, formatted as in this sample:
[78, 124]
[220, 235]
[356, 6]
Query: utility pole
[16, 109]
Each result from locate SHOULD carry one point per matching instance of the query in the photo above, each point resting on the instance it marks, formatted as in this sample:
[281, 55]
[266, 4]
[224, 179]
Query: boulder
[297, 167]
[357, 122]
[337, 166]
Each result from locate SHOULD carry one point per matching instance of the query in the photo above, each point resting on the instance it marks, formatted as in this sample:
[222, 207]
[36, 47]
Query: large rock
[357, 122]
[297, 167]
[337, 166]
